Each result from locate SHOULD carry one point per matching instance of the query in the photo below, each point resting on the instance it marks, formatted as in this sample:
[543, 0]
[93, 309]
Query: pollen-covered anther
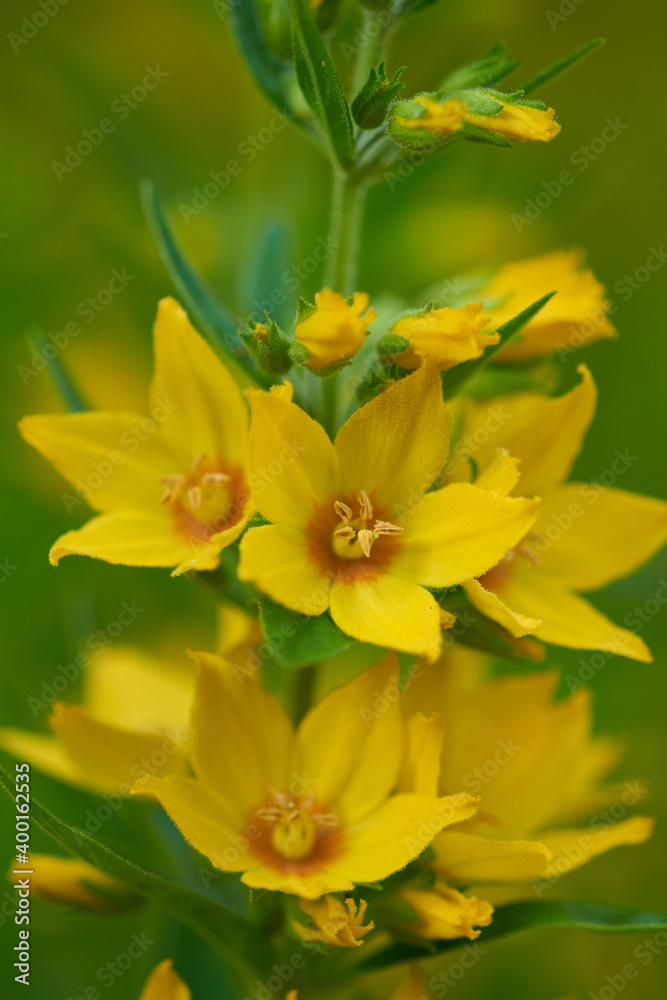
[360, 531]
[173, 485]
[214, 477]
[194, 497]
[365, 505]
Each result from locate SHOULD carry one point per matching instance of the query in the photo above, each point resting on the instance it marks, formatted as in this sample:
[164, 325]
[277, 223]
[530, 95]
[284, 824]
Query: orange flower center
[209, 498]
[293, 833]
[497, 577]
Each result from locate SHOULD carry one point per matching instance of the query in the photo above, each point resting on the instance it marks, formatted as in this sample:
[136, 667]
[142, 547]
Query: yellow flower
[165, 984]
[74, 883]
[134, 719]
[576, 315]
[587, 535]
[535, 766]
[447, 336]
[336, 331]
[334, 922]
[171, 486]
[354, 527]
[305, 812]
[445, 913]
[513, 122]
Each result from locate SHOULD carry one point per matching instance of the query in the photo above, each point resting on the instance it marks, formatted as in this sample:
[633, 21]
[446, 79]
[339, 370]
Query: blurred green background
[60, 240]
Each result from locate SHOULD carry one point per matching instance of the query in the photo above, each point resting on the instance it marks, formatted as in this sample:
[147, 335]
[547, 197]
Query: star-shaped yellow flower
[587, 535]
[306, 812]
[172, 486]
[356, 528]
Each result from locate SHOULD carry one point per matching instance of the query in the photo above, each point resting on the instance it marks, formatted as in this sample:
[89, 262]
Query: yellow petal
[125, 686]
[293, 466]
[242, 739]
[202, 406]
[305, 886]
[350, 743]
[395, 446]
[276, 560]
[334, 923]
[566, 618]
[490, 605]
[445, 913]
[73, 882]
[202, 819]
[396, 833]
[466, 858]
[111, 459]
[501, 474]
[448, 336]
[390, 612]
[545, 434]
[460, 532]
[112, 758]
[420, 768]
[46, 754]
[593, 535]
[165, 984]
[128, 537]
[413, 988]
[207, 555]
[573, 848]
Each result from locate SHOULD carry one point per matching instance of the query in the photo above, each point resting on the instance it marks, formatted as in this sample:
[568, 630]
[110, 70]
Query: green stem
[377, 29]
[347, 204]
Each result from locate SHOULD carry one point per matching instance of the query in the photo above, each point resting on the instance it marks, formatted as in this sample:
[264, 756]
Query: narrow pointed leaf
[456, 377]
[267, 68]
[320, 83]
[58, 375]
[604, 918]
[561, 65]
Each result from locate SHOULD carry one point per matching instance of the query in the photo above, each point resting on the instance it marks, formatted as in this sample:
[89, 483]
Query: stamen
[194, 497]
[386, 528]
[347, 531]
[365, 505]
[197, 463]
[214, 477]
[366, 539]
[172, 480]
[344, 512]
[529, 555]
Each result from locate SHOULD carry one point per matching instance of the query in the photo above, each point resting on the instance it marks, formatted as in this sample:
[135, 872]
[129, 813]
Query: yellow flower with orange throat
[307, 811]
[171, 488]
[335, 330]
[356, 527]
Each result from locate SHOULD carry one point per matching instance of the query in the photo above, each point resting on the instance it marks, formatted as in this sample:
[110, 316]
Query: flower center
[294, 827]
[355, 535]
[496, 578]
[202, 500]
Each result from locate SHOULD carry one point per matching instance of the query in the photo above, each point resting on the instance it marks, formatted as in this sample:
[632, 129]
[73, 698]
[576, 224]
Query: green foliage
[561, 65]
[267, 68]
[58, 375]
[370, 107]
[491, 68]
[320, 83]
[298, 640]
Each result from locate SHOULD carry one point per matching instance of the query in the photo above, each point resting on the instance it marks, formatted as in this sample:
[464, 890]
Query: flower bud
[371, 105]
[333, 330]
[446, 336]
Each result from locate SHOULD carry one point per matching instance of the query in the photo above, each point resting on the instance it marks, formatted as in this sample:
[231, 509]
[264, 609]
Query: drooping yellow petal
[128, 537]
[445, 913]
[501, 474]
[203, 819]
[112, 758]
[545, 434]
[46, 754]
[396, 833]
[113, 460]
[466, 858]
[394, 447]
[566, 618]
[74, 882]
[310, 886]
[459, 532]
[334, 923]
[127, 687]
[388, 611]
[165, 984]
[354, 767]
[420, 767]
[276, 560]
[491, 605]
[293, 466]
[573, 848]
[242, 739]
[593, 535]
[202, 406]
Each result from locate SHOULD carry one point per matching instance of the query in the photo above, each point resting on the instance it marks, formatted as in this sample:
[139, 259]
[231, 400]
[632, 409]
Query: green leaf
[267, 68]
[263, 284]
[320, 83]
[491, 68]
[561, 65]
[457, 376]
[218, 323]
[605, 918]
[57, 375]
[298, 640]
[233, 936]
